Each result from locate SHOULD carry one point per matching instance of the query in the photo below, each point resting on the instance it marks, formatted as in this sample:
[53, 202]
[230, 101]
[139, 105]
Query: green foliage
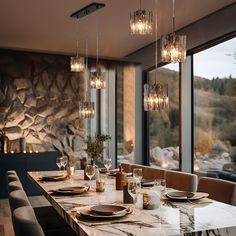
[95, 145]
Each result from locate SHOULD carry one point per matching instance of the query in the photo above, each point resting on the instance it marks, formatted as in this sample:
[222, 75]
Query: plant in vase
[95, 146]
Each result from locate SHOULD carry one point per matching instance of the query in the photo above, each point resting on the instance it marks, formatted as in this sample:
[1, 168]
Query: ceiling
[47, 26]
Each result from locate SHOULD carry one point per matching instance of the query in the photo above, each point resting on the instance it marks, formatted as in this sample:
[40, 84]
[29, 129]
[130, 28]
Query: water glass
[90, 171]
[64, 161]
[160, 185]
[59, 162]
[138, 174]
[107, 163]
[133, 188]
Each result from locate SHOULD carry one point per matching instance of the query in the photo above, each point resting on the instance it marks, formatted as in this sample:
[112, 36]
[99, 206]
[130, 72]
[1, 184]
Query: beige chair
[181, 180]
[25, 222]
[218, 189]
[153, 173]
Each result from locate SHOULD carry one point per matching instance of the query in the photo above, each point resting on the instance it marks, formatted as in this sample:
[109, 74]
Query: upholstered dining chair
[12, 177]
[25, 223]
[14, 185]
[150, 172]
[18, 198]
[218, 189]
[11, 172]
[181, 180]
[126, 167]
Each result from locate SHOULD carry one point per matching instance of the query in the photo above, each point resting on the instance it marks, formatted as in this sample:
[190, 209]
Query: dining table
[203, 217]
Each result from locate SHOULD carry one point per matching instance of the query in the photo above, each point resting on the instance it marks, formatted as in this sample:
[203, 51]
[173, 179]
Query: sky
[217, 61]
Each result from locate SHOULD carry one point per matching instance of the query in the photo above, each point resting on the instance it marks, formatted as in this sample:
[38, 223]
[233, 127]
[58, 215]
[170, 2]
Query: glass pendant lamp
[155, 95]
[173, 46]
[97, 79]
[77, 62]
[86, 108]
[141, 22]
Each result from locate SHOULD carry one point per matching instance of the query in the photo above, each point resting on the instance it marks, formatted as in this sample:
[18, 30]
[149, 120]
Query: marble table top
[202, 217]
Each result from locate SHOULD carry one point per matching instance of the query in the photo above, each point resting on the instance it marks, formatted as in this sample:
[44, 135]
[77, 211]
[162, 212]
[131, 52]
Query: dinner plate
[53, 177]
[184, 195]
[71, 190]
[147, 182]
[90, 214]
[109, 209]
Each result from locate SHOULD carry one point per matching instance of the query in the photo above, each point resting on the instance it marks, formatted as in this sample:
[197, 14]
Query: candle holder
[100, 184]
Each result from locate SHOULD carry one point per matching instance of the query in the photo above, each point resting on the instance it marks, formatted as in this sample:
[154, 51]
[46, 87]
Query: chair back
[25, 222]
[18, 198]
[126, 167]
[218, 189]
[181, 180]
[153, 173]
[14, 185]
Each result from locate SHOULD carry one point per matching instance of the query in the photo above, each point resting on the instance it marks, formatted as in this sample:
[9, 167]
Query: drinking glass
[133, 188]
[64, 161]
[160, 185]
[107, 163]
[90, 171]
[138, 174]
[59, 162]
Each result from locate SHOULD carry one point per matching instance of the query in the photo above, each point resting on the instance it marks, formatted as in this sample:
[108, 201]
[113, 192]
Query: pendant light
[156, 95]
[141, 22]
[97, 80]
[77, 62]
[86, 108]
[173, 46]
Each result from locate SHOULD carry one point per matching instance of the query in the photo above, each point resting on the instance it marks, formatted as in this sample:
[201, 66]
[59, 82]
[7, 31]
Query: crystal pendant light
[97, 80]
[173, 46]
[155, 95]
[77, 62]
[141, 22]
[86, 108]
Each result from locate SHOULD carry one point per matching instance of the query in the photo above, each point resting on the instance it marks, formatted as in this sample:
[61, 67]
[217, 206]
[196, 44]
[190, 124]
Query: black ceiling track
[87, 10]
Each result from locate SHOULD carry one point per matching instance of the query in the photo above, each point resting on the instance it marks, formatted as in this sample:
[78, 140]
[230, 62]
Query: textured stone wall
[39, 101]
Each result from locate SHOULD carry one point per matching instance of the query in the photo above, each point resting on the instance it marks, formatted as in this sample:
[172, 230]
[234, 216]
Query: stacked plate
[71, 190]
[184, 195]
[105, 211]
[58, 177]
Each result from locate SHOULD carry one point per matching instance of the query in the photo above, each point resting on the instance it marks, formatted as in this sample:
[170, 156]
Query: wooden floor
[6, 228]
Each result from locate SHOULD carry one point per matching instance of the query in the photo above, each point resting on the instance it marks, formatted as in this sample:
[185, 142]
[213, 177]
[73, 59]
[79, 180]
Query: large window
[164, 125]
[215, 106]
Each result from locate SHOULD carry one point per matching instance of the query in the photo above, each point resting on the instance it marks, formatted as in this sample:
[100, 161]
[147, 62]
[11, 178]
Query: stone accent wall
[39, 102]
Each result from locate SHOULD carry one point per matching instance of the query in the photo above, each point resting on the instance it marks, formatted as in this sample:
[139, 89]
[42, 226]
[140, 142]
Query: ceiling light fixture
[77, 62]
[97, 80]
[173, 46]
[156, 95]
[86, 108]
[141, 22]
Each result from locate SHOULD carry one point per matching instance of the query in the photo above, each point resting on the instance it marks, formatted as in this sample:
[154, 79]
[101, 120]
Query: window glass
[164, 125]
[215, 107]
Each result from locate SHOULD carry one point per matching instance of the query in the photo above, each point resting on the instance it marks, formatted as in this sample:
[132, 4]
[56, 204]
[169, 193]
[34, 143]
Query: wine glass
[59, 162]
[107, 163]
[64, 161]
[138, 174]
[90, 171]
[133, 188]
